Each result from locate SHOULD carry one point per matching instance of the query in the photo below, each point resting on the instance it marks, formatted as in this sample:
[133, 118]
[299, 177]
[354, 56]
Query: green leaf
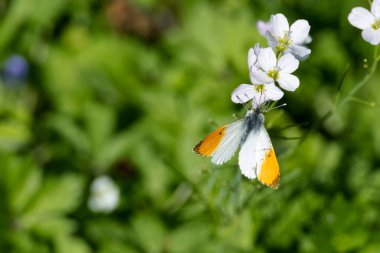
[26, 185]
[113, 149]
[100, 122]
[13, 135]
[57, 196]
[150, 232]
[350, 241]
[66, 127]
[54, 226]
[65, 244]
[188, 237]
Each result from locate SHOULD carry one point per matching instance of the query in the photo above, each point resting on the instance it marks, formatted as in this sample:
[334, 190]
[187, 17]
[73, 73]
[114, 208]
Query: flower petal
[258, 76]
[263, 27]
[300, 52]
[267, 59]
[288, 82]
[252, 55]
[272, 92]
[243, 93]
[257, 49]
[287, 63]
[361, 18]
[252, 58]
[308, 40]
[259, 99]
[278, 25]
[375, 8]
[372, 36]
[299, 31]
[272, 41]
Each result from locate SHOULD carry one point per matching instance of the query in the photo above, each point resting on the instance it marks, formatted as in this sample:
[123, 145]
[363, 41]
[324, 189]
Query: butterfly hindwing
[257, 158]
[267, 169]
[247, 156]
[269, 172]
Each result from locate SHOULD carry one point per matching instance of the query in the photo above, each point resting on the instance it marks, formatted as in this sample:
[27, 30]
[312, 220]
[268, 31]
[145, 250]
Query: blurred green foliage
[127, 88]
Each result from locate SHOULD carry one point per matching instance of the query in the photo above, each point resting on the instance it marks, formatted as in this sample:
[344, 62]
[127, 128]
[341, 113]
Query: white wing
[229, 143]
[253, 152]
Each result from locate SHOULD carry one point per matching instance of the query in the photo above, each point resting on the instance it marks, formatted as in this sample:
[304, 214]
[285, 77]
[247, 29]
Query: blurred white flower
[269, 69]
[259, 93]
[104, 195]
[368, 21]
[263, 27]
[283, 38]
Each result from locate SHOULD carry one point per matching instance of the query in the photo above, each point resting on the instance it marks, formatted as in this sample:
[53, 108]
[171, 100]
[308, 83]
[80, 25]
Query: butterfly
[257, 158]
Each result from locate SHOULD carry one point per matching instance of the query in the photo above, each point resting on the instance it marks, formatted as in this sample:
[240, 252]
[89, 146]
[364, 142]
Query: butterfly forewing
[222, 143]
[210, 143]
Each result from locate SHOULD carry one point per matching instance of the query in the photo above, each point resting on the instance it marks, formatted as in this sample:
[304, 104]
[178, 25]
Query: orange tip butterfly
[256, 158]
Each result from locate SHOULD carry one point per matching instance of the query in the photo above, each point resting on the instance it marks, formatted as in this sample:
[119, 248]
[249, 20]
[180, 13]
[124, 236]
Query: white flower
[259, 77]
[367, 21]
[289, 40]
[259, 93]
[270, 70]
[104, 195]
[263, 27]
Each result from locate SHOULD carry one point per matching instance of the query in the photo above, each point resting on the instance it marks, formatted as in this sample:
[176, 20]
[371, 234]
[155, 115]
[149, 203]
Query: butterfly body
[256, 157]
[253, 120]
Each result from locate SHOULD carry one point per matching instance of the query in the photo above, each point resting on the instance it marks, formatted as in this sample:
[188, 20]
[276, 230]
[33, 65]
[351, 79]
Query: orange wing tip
[275, 183]
[197, 151]
[210, 143]
[270, 171]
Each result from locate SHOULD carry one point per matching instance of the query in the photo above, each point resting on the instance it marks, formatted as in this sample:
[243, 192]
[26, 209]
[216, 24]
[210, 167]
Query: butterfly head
[258, 111]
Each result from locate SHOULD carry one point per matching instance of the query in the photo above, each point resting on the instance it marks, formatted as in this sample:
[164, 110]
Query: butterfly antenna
[246, 107]
[276, 107]
[268, 105]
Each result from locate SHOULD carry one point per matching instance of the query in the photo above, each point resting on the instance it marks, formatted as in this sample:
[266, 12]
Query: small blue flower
[15, 71]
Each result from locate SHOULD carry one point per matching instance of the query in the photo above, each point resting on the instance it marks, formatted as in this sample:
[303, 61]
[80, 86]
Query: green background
[127, 88]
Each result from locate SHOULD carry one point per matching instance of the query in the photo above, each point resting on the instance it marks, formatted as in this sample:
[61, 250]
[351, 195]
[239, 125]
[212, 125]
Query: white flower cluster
[367, 21]
[275, 64]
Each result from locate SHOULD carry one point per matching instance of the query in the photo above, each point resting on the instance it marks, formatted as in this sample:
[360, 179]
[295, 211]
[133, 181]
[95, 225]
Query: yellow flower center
[273, 74]
[283, 42]
[260, 88]
[376, 25]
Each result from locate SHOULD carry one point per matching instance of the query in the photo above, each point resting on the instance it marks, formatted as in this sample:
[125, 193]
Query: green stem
[366, 78]
[278, 54]
[199, 192]
[338, 103]
[363, 102]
